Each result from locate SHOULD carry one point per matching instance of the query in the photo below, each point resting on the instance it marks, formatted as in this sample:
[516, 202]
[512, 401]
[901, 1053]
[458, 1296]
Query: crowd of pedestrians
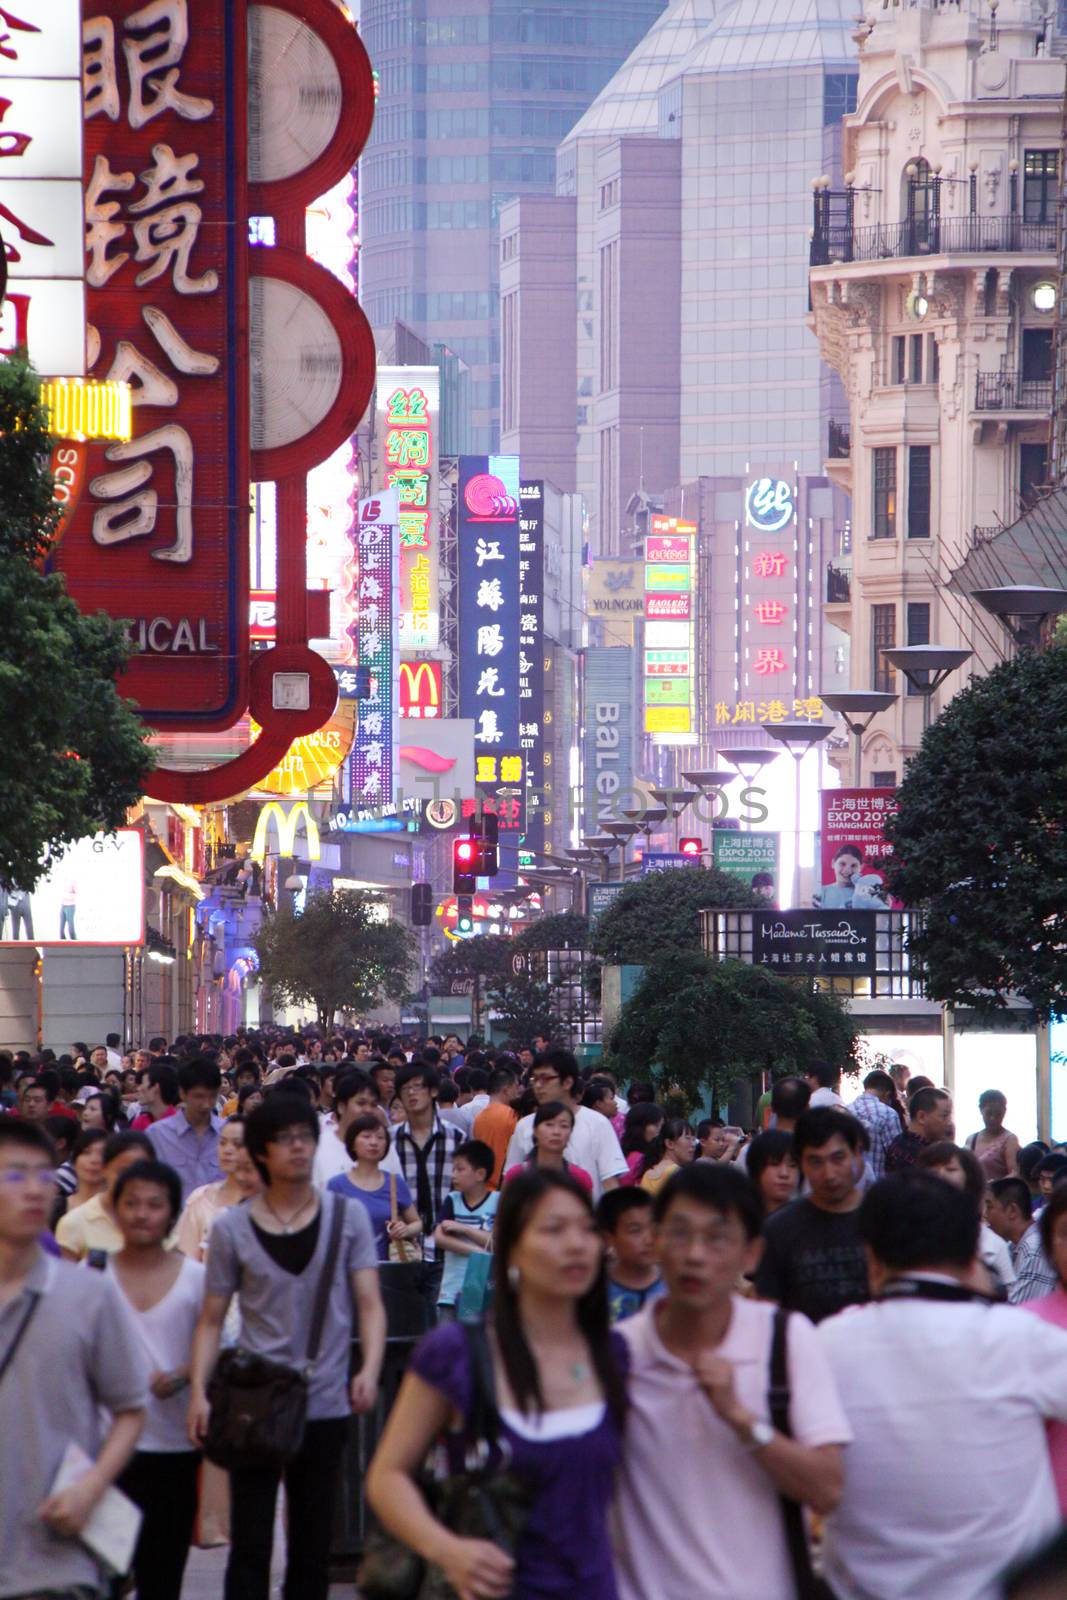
[824, 1355]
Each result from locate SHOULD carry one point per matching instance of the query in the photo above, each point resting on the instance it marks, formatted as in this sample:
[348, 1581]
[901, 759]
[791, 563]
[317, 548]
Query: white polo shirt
[947, 1478]
[593, 1146]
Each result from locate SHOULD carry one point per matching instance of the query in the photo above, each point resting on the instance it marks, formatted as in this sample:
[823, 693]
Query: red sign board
[855, 849]
[671, 548]
[667, 606]
[160, 537]
[420, 689]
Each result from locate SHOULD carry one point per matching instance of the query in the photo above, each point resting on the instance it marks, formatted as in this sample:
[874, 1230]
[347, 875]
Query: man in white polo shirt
[697, 1507]
[593, 1145]
[947, 1480]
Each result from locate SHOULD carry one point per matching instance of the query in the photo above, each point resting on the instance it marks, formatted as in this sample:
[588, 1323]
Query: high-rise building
[471, 108]
[933, 293]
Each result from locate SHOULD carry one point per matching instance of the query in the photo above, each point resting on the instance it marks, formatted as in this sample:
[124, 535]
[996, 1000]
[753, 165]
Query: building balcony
[1008, 391]
[836, 243]
[838, 586]
[839, 441]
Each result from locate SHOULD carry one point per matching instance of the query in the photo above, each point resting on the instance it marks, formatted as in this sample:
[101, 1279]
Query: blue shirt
[624, 1302]
[377, 1203]
[194, 1156]
[481, 1216]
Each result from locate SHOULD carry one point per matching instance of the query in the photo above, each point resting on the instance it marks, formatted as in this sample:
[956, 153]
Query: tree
[701, 1024]
[77, 754]
[563, 930]
[980, 840]
[336, 955]
[661, 912]
[486, 956]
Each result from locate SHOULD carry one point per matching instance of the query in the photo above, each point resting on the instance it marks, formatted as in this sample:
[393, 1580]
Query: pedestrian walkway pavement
[206, 1571]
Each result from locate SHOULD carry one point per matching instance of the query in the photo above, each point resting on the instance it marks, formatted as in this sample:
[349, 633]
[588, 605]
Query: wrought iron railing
[838, 586]
[930, 236]
[1008, 391]
[839, 441]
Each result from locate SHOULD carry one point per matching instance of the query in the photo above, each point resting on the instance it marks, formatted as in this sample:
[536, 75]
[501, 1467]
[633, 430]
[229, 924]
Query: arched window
[920, 204]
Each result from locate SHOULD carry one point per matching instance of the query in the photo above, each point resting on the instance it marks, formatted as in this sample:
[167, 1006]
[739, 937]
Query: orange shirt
[495, 1126]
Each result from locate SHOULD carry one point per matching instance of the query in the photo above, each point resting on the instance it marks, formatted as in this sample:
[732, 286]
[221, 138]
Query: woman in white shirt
[164, 1291]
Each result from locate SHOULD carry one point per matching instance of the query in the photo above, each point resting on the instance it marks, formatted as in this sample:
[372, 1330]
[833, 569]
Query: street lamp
[648, 820]
[926, 666]
[675, 801]
[622, 832]
[858, 708]
[1022, 608]
[602, 844]
[755, 757]
[798, 738]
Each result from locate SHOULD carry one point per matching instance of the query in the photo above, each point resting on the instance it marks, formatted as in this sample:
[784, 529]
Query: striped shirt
[427, 1170]
[882, 1125]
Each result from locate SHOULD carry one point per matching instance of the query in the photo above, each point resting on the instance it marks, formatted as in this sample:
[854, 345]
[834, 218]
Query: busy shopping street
[533, 800]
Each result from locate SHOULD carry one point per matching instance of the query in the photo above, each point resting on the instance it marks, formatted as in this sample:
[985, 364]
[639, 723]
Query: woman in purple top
[560, 1390]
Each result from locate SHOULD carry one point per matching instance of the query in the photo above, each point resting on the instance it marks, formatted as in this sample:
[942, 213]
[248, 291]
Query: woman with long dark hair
[673, 1147]
[643, 1122]
[772, 1167]
[561, 1397]
[553, 1125]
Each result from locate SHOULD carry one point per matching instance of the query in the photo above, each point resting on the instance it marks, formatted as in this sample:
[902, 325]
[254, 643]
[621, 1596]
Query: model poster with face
[92, 894]
[855, 850]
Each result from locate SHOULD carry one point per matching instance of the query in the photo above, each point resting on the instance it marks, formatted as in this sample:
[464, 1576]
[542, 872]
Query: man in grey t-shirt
[78, 1352]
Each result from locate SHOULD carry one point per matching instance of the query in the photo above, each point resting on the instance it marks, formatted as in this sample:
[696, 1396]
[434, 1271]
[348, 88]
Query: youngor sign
[854, 849]
[161, 535]
[93, 895]
[839, 943]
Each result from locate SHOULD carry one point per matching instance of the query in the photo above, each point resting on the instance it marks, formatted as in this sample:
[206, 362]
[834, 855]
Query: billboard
[421, 690]
[372, 639]
[531, 657]
[830, 943]
[489, 628]
[41, 186]
[408, 406]
[854, 849]
[94, 894]
[669, 695]
[614, 596]
[435, 779]
[608, 745]
[160, 537]
[753, 857]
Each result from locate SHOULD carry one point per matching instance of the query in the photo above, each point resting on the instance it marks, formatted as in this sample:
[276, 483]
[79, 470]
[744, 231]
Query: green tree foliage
[76, 753]
[335, 955]
[660, 913]
[980, 840]
[698, 1025]
[486, 956]
[563, 930]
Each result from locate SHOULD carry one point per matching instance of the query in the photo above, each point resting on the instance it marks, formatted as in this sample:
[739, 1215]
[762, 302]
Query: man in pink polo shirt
[703, 1466]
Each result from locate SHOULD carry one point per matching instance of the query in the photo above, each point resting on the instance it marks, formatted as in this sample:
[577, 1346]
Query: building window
[900, 358]
[884, 524]
[933, 360]
[883, 637]
[509, 361]
[916, 373]
[609, 268]
[918, 626]
[919, 491]
[1037, 355]
[921, 212]
[609, 473]
[1040, 172]
[1033, 472]
[885, 779]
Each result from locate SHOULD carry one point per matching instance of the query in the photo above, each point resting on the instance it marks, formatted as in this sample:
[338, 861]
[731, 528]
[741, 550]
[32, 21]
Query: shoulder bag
[484, 1499]
[403, 1250]
[258, 1406]
[33, 1301]
[809, 1586]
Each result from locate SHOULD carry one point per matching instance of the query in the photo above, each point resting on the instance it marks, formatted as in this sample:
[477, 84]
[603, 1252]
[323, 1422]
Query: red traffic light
[466, 852]
[691, 847]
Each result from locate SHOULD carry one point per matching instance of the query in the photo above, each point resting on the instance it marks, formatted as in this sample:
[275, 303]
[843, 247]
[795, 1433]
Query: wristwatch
[759, 1435]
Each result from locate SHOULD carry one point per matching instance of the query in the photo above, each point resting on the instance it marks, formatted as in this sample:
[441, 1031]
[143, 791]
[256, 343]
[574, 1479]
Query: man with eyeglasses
[594, 1145]
[272, 1253]
[68, 1352]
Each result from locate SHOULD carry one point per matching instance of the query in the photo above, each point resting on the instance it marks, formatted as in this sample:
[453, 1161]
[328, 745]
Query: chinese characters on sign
[162, 533]
[669, 676]
[769, 649]
[752, 857]
[371, 600]
[408, 400]
[839, 944]
[539, 785]
[41, 184]
[855, 849]
[809, 709]
[489, 628]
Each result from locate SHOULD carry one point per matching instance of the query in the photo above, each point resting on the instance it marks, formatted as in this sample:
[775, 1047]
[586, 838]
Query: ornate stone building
[932, 293]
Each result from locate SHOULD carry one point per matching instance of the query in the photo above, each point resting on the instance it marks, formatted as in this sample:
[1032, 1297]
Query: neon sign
[670, 579]
[408, 399]
[769, 504]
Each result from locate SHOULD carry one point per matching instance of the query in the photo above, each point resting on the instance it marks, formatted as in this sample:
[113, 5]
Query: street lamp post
[858, 708]
[675, 801]
[647, 821]
[1022, 608]
[798, 738]
[926, 666]
[602, 844]
[622, 832]
[753, 757]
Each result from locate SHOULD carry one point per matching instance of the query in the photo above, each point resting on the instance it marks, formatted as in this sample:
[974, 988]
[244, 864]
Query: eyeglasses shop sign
[830, 943]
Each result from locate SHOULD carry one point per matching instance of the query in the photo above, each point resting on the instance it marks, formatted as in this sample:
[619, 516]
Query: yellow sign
[756, 711]
[286, 823]
[668, 719]
[83, 408]
[314, 758]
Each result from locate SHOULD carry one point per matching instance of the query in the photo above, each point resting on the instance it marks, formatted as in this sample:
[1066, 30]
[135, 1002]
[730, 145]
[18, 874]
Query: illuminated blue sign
[769, 504]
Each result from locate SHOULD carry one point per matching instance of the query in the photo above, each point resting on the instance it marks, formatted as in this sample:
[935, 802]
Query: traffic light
[465, 854]
[464, 914]
[693, 848]
[485, 829]
[421, 905]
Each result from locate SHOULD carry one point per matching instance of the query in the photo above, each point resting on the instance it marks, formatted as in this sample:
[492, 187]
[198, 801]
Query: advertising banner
[94, 894]
[531, 657]
[834, 943]
[371, 600]
[670, 654]
[161, 535]
[752, 857]
[608, 745]
[601, 897]
[407, 421]
[489, 628]
[421, 690]
[855, 849]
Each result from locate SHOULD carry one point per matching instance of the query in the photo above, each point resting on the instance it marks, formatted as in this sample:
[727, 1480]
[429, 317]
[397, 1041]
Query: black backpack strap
[325, 1283]
[778, 1392]
[808, 1586]
[34, 1300]
[483, 1424]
